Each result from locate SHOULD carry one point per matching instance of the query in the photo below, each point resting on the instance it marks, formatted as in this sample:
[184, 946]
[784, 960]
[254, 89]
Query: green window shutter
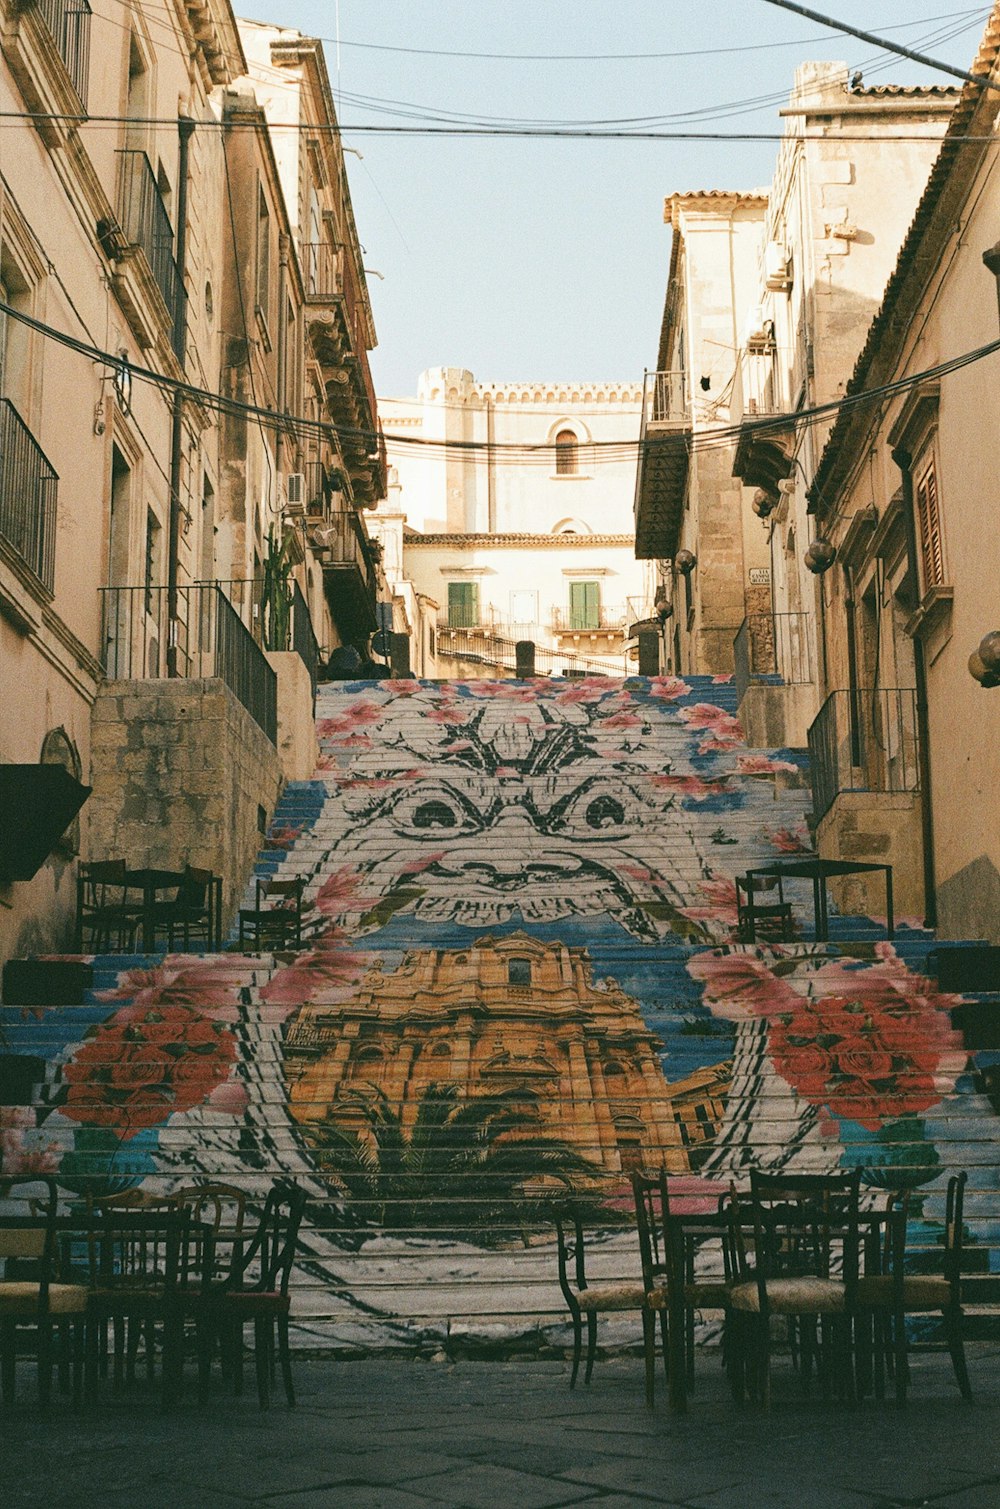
[584, 605]
[463, 605]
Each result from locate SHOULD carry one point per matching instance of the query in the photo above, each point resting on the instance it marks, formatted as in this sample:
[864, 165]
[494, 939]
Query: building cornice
[516, 541]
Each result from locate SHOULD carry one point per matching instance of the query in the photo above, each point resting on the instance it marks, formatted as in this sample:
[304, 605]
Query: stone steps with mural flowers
[520, 977]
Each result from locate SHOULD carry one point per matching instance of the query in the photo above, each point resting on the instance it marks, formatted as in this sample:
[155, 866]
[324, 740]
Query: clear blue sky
[540, 259]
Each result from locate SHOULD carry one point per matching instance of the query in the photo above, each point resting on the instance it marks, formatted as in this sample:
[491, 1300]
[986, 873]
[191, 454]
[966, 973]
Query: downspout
[281, 378]
[185, 130]
[904, 460]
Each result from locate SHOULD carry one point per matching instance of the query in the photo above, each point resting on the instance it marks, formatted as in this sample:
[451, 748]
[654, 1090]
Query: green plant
[461, 1168]
[276, 592]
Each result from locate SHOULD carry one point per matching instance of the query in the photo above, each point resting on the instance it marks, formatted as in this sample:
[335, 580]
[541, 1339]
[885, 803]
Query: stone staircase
[523, 891]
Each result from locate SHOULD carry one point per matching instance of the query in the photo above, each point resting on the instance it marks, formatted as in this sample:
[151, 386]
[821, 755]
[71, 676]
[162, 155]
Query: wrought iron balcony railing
[28, 494]
[210, 641]
[145, 223]
[664, 398]
[773, 647]
[589, 619]
[864, 739]
[68, 23]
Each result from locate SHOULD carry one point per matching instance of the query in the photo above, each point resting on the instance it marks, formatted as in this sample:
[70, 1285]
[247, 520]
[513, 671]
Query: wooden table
[151, 882]
[819, 871]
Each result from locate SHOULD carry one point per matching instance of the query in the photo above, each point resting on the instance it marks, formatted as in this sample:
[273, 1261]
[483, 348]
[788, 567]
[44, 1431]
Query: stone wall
[879, 828]
[180, 772]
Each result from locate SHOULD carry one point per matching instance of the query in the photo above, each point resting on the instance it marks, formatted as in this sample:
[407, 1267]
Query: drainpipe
[281, 378]
[904, 460]
[185, 130]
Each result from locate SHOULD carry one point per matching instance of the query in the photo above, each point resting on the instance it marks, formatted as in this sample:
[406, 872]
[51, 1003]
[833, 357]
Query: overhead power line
[628, 57]
[606, 450]
[866, 36]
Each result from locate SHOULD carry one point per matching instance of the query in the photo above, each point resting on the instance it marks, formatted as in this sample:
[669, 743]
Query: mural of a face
[491, 808]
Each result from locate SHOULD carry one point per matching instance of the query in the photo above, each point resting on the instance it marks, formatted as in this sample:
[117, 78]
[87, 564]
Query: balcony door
[584, 605]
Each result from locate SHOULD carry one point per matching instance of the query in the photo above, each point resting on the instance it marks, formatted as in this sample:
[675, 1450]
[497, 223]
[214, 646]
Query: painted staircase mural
[521, 978]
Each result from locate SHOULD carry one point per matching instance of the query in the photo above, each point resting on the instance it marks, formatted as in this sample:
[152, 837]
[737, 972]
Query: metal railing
[579, 621]
[245, 598]
[68, 23]
[773, 646]
[146, 224]
[486, 646]
[211, 641]
[28, 496]
[664, 398]
[345, 542]
[321, 264]
[864, 740]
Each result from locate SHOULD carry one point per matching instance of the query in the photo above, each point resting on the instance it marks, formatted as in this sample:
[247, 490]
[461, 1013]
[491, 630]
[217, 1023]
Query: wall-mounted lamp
[820, 557]
[984, 663]
[662, 606]
[763, 503]
[685, 561]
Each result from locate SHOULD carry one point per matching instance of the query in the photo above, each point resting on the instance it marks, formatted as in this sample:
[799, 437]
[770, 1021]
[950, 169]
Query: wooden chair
[34, 1298]
[768, 919]
[147, 1267]
[805, 1232]
[582, 1297]
[227, 1308]
[194, 911]
[893, 1293]
[104, 919]
[662, 1288]
[276, 918]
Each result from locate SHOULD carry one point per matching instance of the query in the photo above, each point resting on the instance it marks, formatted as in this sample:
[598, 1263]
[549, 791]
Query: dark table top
[815, 868]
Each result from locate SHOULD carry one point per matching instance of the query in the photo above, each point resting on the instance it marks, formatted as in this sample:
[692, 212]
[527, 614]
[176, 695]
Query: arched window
[566, 454]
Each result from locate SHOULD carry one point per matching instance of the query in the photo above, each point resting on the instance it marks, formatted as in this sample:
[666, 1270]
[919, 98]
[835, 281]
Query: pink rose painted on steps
[869, 1043]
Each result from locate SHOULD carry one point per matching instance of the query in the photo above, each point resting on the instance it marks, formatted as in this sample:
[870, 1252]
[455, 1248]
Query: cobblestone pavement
[399, 1434]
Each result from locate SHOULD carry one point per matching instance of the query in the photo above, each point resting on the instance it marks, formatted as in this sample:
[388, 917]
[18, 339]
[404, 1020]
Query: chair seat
[708, 1294]
[251, 1299]
[620, 1297]
[792, 1296]
[20, 1298]
[920, 1292]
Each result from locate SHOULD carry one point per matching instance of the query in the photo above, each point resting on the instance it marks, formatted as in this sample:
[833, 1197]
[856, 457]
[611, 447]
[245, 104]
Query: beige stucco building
[769, 296]
[139, 517]
[906, 749]
[516, 503]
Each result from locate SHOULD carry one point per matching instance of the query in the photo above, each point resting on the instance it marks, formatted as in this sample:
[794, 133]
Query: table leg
[890, 920]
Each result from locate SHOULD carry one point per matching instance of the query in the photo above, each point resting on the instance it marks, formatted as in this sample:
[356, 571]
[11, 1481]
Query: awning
[37, 805]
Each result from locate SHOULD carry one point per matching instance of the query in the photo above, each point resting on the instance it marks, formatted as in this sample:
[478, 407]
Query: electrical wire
[618, 450]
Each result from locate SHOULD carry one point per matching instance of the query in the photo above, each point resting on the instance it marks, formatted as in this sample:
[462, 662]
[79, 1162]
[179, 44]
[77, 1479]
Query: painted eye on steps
[605, 812]
[434, 815]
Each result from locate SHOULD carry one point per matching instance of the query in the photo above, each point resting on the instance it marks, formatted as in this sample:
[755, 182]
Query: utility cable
[866, 36]
[705, 441]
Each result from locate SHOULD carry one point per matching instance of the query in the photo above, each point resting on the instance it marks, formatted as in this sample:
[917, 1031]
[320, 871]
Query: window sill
[935, 609]
[570, 477]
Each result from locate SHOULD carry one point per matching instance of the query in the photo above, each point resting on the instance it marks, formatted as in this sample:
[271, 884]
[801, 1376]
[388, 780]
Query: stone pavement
[399, 1434]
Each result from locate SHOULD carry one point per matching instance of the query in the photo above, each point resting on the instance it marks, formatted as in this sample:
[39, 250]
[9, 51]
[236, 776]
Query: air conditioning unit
[759, 332]
[777, 266]
[295, 494]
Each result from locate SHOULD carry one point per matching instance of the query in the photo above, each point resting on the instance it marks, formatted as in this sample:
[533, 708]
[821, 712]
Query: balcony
[211, 641]
[28, 489]
[339, 331]
[864, 740]
[349, 578]
[766, 446]
[245, 598]
[775, 648]
[661, 478]
[590, 621]
[68, 22]
[47, 46]
[144, 226]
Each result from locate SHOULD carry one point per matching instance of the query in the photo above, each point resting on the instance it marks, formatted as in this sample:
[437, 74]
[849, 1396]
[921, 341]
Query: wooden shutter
[584, 605]
[463, 605]
[566, 458]
[930, 528]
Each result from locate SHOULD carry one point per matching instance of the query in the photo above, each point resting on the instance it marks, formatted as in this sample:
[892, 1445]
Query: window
[263, 297]
[518, 971]
[463, 605]
[584, 605]
[566, 454]
[929, 524]
[152, 569]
